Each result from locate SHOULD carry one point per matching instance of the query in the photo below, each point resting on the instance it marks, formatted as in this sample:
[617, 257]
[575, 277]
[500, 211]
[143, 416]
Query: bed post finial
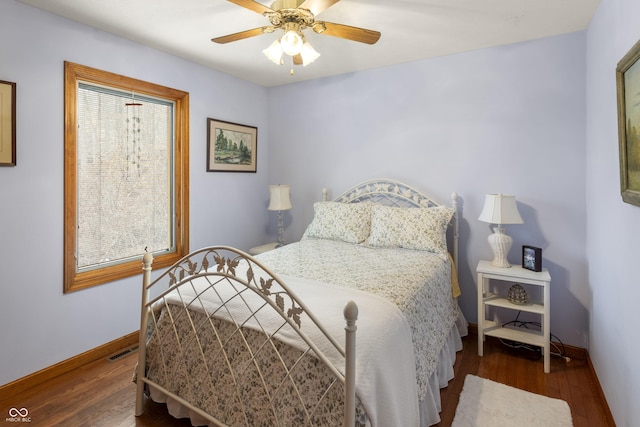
[350, 315]
[325, 193]
[147, 260]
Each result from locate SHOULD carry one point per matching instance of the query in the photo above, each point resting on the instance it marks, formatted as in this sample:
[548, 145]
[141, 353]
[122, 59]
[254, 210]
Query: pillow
[348, 222]
[423, 229]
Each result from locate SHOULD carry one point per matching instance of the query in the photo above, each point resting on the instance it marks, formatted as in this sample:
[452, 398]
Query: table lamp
[279, 201]
[500, 209]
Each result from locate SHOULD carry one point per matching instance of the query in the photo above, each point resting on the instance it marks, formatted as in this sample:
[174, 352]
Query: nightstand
[263, 248]
[514, 274]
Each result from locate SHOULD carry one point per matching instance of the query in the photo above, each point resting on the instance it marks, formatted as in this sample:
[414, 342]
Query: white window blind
[125, 181]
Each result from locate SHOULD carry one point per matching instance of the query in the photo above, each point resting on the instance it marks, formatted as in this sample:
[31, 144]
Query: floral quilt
[417, 282]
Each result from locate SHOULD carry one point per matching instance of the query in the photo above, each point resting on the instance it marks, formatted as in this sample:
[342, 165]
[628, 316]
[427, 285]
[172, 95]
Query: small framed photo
[7, 123]
[531, 258]
[231, 147]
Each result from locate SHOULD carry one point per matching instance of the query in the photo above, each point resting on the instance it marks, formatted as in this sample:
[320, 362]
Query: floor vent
[123, 353]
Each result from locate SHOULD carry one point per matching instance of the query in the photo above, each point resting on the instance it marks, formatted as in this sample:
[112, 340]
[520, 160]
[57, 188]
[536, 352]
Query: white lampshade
[500, 209]
[308, 54]
[279, 199]
[274, 52]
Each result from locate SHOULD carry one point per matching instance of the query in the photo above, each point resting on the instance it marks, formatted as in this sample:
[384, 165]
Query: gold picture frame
[7, 123]
[628, 93]
[231, 147]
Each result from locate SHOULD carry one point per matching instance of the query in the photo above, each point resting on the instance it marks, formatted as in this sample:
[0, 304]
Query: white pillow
[423, 229]
[348, 222]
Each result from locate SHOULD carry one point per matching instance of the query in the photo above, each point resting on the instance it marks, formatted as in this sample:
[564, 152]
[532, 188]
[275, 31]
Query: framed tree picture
[231, 147]
[628, 93]
[7, 123]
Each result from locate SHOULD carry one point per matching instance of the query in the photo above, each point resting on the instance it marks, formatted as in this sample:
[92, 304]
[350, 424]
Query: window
[126, 176]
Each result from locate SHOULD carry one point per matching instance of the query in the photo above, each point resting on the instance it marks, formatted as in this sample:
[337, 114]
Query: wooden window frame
[73, 74]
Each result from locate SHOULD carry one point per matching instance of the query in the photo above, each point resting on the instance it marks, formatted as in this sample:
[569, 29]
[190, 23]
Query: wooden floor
[102, 394]
[571, 381]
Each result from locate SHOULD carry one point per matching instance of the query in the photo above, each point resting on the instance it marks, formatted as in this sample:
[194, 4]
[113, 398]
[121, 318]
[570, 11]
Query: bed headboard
[395, 193]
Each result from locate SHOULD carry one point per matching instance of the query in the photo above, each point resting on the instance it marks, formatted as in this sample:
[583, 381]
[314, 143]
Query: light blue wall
[39, 326]
[508, 119]
[511, 119]
[613, 227]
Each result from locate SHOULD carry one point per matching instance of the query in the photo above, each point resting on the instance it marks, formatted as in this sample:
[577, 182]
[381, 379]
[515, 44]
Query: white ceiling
[411, 30]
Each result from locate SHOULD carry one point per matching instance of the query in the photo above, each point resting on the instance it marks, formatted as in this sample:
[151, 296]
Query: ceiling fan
[294, 16]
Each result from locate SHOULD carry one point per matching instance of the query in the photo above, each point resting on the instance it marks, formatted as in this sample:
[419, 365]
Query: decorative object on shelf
[293, 17]
[500, 209]
[517, 295]
[231, 147]
[279, 200]
[531, 258]
[7, 123]
[628, 85]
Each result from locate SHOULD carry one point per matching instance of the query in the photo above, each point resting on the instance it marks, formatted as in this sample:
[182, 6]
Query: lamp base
[500, 244]
[280, 230]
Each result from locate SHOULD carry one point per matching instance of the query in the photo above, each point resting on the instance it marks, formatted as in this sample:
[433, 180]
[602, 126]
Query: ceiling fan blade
[253, 5]
[361, 35]
[317, 6]
[243, 35]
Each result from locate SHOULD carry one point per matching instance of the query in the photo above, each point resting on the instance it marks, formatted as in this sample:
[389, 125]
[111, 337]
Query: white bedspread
[385, 377]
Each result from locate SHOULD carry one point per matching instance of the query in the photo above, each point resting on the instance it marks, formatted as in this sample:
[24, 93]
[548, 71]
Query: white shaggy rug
[487, 403]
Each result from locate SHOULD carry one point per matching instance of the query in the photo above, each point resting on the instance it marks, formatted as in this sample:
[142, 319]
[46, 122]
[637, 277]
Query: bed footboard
[214, 329]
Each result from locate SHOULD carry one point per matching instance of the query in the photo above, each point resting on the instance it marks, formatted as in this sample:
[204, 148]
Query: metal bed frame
[232, 268]
[229, 266]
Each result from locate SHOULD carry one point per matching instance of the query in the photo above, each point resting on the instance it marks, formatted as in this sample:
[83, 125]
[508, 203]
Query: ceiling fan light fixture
[308, 54]
[291, 43]
[274, 52]
[292, 17]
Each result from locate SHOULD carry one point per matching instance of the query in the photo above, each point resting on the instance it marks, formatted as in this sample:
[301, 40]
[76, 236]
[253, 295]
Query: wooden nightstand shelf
[256, 250]
[514, 274]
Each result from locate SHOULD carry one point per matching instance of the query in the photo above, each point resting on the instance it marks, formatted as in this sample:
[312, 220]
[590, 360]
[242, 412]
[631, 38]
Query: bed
[232, 339]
